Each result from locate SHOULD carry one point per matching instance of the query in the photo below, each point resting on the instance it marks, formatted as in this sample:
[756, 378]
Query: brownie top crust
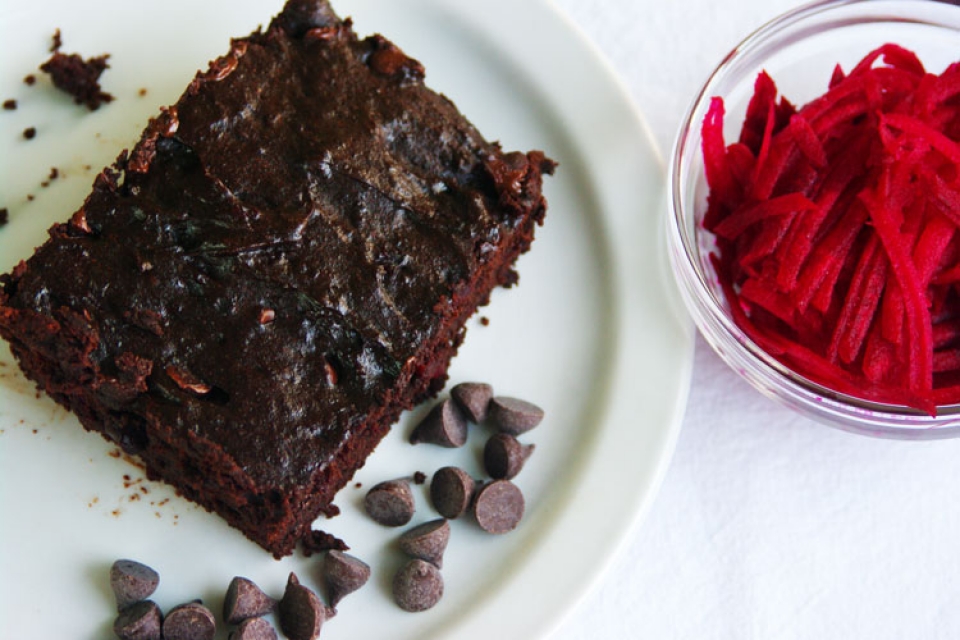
[276, 247]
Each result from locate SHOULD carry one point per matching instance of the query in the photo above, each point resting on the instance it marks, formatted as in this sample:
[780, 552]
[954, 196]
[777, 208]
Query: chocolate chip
[514, 416]
[301, 612]
[10, 105]
[498, 507]
[131, 582]
[417, 586]
[451, 491]
[504, 456]
[140, 621]
[474, 399]
[190, 621]
[254, 629]
[445, 425]
[343, 574]
[427, 541]
[245, 600]
[30, 133]
[390, 503]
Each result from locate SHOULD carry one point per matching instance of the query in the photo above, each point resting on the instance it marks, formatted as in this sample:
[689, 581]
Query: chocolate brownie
[282, 264]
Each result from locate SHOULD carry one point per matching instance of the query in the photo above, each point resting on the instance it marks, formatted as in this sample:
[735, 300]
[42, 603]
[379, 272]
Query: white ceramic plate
[592, 334]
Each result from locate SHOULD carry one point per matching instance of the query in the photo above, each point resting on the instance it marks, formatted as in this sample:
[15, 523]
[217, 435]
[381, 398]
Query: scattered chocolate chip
[245, 600]
[504, 456]
[445, 425]
[390, 503]
[343, 574]
[190, 621]
[427, 541]
[10, 105]
[254, 629]
[498, 507]
[132, 581]
[419, 477]
[140, 621]
[300, 611]
[514, 416]
[474, 399]
[30, 133]
[30, 80]
[451, 490]
[417, 586]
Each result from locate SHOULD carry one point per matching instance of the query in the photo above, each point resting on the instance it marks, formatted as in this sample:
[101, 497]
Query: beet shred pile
[837, 228]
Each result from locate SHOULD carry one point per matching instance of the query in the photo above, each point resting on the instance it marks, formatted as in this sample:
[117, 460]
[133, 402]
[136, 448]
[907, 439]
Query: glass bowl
[799, 50]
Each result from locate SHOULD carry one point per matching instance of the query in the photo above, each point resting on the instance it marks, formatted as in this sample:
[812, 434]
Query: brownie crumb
[54, 174]
[30, 133]
[30, 198]
[10, 105]
[142, 92]
[320, 541]
[78, 77]
[56, 42]
[4, 216]
[419, 477]
[485, 321]
[30, 80]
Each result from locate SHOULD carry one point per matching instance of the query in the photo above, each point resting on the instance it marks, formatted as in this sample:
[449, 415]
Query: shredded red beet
[837, 228]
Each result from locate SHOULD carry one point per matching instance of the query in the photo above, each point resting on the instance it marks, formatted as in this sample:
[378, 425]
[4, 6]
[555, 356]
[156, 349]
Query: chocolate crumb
[419, 477]
[358, 485]
[142, 92]
[485, 321]
[10, 105]
[30, 80]
[78, 77]
[30, 133]
[57, 42]
[4, 216]
[31, 198]
[320, 541]
[54, 174]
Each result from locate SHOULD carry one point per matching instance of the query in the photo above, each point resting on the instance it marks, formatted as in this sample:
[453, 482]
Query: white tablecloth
[768, 525]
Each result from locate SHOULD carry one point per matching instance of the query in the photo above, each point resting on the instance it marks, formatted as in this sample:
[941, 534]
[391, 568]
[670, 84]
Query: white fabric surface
[767, 525]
